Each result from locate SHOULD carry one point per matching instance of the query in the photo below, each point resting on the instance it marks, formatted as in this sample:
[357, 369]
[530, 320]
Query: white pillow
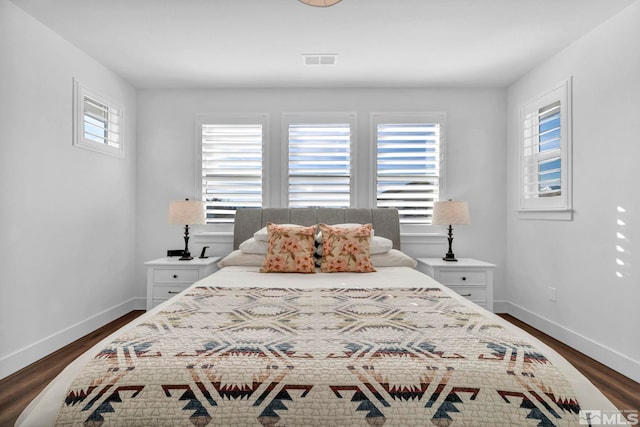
[262, 234]
[379, 245]
[393, 258]
[237, 257]
[253, 246]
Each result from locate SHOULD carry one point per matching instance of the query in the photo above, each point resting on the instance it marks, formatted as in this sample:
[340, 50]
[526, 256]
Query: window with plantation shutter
[545, 154]
[98, 122]
[408, 164]
[231, 166]
[319, 160]
[543, 165]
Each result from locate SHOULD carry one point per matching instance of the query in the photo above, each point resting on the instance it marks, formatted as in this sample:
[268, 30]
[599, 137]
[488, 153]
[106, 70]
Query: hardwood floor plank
[20, 388]
[622, 391]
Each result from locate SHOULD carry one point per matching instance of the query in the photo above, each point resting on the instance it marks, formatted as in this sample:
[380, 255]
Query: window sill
[546, 214]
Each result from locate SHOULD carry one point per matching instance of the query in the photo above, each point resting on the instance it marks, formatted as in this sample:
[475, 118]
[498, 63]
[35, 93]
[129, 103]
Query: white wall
[67, 254]
[596, 311]
[474, 169]
[67, 247]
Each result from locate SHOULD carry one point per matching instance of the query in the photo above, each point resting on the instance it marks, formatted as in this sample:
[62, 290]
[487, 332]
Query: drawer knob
[173, 292]
[464, 278]
[175, 276]
[465, 295]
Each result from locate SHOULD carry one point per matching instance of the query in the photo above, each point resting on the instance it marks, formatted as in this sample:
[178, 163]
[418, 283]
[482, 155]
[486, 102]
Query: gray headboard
[385, 221]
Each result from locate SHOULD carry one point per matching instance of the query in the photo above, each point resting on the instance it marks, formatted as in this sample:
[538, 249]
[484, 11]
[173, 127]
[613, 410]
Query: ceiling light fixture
[320, 3]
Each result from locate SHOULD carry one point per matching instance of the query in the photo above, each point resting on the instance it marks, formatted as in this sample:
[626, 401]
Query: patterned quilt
[319, 357]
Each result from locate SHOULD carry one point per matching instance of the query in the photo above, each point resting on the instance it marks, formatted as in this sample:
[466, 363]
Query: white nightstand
[167, 277]
[469, 277]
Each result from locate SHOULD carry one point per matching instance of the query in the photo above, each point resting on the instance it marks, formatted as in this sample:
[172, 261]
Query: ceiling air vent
[320, 59]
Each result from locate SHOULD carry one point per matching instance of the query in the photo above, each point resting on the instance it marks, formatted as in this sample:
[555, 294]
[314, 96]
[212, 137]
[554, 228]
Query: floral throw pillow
[289, 249]
[346, 249]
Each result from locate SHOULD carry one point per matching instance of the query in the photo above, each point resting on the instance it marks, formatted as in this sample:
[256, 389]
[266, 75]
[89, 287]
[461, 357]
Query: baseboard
[500, 306]
[19, 359]
[603, 354]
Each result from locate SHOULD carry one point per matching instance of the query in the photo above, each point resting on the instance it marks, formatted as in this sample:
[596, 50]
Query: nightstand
[471, 278]
[167, 277]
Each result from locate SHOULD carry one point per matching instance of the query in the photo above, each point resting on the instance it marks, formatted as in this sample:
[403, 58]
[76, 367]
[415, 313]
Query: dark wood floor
[17, 390]
[622, 391]
[20, 388]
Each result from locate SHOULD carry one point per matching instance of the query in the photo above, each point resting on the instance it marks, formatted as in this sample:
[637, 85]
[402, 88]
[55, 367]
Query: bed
[389, 347]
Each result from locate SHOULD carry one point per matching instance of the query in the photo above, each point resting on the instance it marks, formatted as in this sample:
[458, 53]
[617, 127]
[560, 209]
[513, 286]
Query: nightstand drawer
[474, 293]
[167, 277]
[163, 292]
[175, 275]
[463, 277]
[469, 277]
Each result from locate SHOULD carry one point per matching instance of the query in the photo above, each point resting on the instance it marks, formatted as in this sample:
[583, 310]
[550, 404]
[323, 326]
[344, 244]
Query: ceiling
[380, 43]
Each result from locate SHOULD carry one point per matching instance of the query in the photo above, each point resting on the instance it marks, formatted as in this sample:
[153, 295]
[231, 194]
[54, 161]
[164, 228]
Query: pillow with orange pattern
[346, 249]
[289, 249]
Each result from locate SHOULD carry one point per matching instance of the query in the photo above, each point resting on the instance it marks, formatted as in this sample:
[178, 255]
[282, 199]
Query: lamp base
[186, 255]
[449, 256]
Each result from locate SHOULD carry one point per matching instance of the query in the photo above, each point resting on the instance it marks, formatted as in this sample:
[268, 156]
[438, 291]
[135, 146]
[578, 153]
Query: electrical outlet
[553, 294]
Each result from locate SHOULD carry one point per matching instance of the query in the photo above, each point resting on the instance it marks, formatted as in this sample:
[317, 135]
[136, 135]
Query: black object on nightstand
[202, 255]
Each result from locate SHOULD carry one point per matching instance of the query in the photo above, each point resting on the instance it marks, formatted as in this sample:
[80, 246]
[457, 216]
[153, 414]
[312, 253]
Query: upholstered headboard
[249, 220]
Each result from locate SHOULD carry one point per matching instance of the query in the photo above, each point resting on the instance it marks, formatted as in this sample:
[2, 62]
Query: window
[231, 165]
[312, 163]
[408, 164]
[319, 160]
[98, 122]
[545, 187]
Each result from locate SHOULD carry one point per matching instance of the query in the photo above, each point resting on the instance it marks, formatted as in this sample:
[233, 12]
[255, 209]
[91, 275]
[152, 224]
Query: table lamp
[186, 212]
[451, 212]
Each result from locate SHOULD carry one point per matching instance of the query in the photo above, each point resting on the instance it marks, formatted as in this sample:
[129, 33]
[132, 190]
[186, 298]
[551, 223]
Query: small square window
[98, 122]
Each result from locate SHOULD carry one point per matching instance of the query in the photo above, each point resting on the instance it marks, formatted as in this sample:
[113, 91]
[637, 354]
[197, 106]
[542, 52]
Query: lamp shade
[186, 212]
[451, 212]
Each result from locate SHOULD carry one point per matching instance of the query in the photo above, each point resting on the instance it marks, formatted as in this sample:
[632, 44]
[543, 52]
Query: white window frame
[554, 207]
[318, 118]
[440, 118]
[231, 118]
[113, 144]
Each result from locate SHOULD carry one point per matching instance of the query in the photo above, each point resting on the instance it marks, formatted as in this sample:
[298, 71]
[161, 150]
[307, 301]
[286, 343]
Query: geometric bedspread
[319, 357]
